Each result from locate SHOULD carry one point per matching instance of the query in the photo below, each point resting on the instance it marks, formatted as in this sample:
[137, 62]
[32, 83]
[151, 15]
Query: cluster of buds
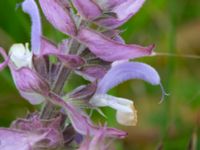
[94, 51]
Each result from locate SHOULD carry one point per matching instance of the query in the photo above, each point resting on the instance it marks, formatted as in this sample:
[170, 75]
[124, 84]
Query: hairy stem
[50, 110]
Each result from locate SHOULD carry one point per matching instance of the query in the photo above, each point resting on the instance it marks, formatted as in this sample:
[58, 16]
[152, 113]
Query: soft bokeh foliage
[174, 26]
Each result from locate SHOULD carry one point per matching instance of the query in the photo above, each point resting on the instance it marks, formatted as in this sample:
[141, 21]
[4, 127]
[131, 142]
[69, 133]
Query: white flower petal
[20, 55]
[126, 113]
[127, 118]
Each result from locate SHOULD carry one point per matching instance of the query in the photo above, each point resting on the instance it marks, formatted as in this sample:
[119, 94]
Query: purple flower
[113, 13]
[88, 9]
[32, 133]
[27, 81]
[98, 142]
[110, 50]
[26, 78]
[76, 116]
[58, 14]
[120, 72]
[96, 52]
[103, 45]
[40, 45]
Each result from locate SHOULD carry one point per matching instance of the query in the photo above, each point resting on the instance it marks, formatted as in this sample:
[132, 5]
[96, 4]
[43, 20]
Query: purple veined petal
[6, 59]
[86, 125]
[48, 47]
[98, 142]
[27, 80]
[109, 4]
[126, 71]
[87, 8]
[71, 61]
[58, 14]
[128, 8]
[33, 122]
[32, 133]
[110, 50]
[14, 139]
[29, 84]
[92, 73]
[113, 3]
[30, 7]
[124, 12]
[48, 131]
[83, 92]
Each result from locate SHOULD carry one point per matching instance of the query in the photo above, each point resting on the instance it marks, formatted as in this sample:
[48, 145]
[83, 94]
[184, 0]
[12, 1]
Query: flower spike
[94, 50]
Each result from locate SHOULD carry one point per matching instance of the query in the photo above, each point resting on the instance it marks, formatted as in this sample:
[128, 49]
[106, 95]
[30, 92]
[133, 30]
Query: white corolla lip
[21, 56]
[126, 112]
[127, 118]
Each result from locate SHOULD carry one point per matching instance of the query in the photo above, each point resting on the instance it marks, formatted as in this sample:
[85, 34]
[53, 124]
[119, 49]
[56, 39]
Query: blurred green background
[174, 26]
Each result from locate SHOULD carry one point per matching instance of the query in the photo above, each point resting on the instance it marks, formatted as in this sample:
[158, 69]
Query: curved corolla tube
[30, 7]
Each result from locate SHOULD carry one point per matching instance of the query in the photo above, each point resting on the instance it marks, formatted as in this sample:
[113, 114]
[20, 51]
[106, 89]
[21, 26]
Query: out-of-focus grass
[174, 26]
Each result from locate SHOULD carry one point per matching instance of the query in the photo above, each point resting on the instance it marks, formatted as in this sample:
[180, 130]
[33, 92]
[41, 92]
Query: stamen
[164, 93]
